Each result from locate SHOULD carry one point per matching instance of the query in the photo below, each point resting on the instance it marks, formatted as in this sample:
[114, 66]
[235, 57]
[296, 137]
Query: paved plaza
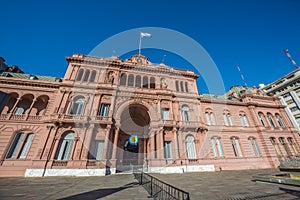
[231, 185]
[235, 185]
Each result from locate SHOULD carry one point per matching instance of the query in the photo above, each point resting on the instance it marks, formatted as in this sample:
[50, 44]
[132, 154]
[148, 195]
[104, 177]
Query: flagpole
[140, 44]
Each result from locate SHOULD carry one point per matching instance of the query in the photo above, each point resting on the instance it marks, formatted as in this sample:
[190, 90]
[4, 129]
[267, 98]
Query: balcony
[168, 123]
[103, 119]
[96, 163]
[193, 125]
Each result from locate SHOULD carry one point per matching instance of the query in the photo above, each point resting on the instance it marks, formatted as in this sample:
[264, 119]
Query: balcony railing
[59, 163]
[18, 117]
[95, 163]
[3, 116]
[103, 118]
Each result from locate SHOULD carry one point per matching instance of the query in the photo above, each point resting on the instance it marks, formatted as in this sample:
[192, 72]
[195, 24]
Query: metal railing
[159, 189]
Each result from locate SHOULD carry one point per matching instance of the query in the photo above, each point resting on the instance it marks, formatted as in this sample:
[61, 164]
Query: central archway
[134, 122]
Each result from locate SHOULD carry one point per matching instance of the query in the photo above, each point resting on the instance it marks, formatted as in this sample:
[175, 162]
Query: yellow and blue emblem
[133, 140]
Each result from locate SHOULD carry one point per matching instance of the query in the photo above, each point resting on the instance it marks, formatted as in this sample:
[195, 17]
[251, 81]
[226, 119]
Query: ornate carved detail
[110, 77]
[164, 83]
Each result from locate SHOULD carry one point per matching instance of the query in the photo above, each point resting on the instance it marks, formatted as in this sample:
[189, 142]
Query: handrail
[159, 189]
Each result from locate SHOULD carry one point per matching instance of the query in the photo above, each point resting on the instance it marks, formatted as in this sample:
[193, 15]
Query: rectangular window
[97, 150]
[165, 114]
[104, 110]
[168, 149]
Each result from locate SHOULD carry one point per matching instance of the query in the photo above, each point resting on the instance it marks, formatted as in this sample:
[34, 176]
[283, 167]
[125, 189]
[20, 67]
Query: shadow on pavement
[289, 191]
[100, 193]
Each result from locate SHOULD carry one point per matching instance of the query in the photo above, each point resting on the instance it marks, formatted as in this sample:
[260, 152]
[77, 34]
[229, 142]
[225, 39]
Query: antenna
[242, 76]
[286, 51]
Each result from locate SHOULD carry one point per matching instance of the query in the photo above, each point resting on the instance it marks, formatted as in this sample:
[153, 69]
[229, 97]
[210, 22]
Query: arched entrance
[134, 130]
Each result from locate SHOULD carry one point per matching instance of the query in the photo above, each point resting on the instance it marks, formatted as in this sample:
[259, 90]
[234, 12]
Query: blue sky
[37, 35]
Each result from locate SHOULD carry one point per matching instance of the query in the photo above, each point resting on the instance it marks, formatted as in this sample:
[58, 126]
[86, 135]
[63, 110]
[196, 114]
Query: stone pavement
[227, 185]
[121, 186]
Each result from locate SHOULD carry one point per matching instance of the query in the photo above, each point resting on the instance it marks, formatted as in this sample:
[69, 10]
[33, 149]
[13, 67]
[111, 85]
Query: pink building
[108, 115]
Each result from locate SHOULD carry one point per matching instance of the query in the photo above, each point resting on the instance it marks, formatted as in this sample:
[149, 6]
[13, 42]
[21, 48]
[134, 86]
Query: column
[106, 142]
[47, 106]
[29, 110]
[254, 116]
[15, 105]
[151, 149]
[181, 146]
[54, 149]
[175, 145]
[115, 147]
[160, 144]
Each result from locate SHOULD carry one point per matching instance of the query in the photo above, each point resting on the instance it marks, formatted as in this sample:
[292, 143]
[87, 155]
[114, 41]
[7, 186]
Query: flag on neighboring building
[145, 34]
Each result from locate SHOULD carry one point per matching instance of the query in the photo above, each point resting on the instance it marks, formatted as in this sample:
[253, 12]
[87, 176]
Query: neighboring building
[5, 68]
[108, 115]
[287, 89]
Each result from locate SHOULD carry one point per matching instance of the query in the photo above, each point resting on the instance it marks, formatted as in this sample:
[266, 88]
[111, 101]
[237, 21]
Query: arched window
[270, 118]
[65, 146]
[186, 87]
[262, 119]
[86, 75]
[20, 145]
[130, 80]
[181, 86]
[152, 82]
[185, 113]
[276, 147]
[244, 120]
[93, 75]
[145, 82]
[236, 147]
[254, 147]
[212, 118]
[77, 106]
[177, 86]
[231, 123]
[123, 79]
[190, 147]
[279, 120]
[293, 145]
[79, 75]
[217, 147]
[285, 146]
[138, 81]
[225, 119]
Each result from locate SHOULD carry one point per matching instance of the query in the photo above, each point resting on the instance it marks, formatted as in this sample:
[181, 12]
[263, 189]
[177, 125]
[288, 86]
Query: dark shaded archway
[135, 120]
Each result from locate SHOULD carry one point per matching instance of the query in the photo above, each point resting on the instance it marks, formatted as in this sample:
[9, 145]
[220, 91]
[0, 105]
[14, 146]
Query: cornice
[32, 83]
[119, 64]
